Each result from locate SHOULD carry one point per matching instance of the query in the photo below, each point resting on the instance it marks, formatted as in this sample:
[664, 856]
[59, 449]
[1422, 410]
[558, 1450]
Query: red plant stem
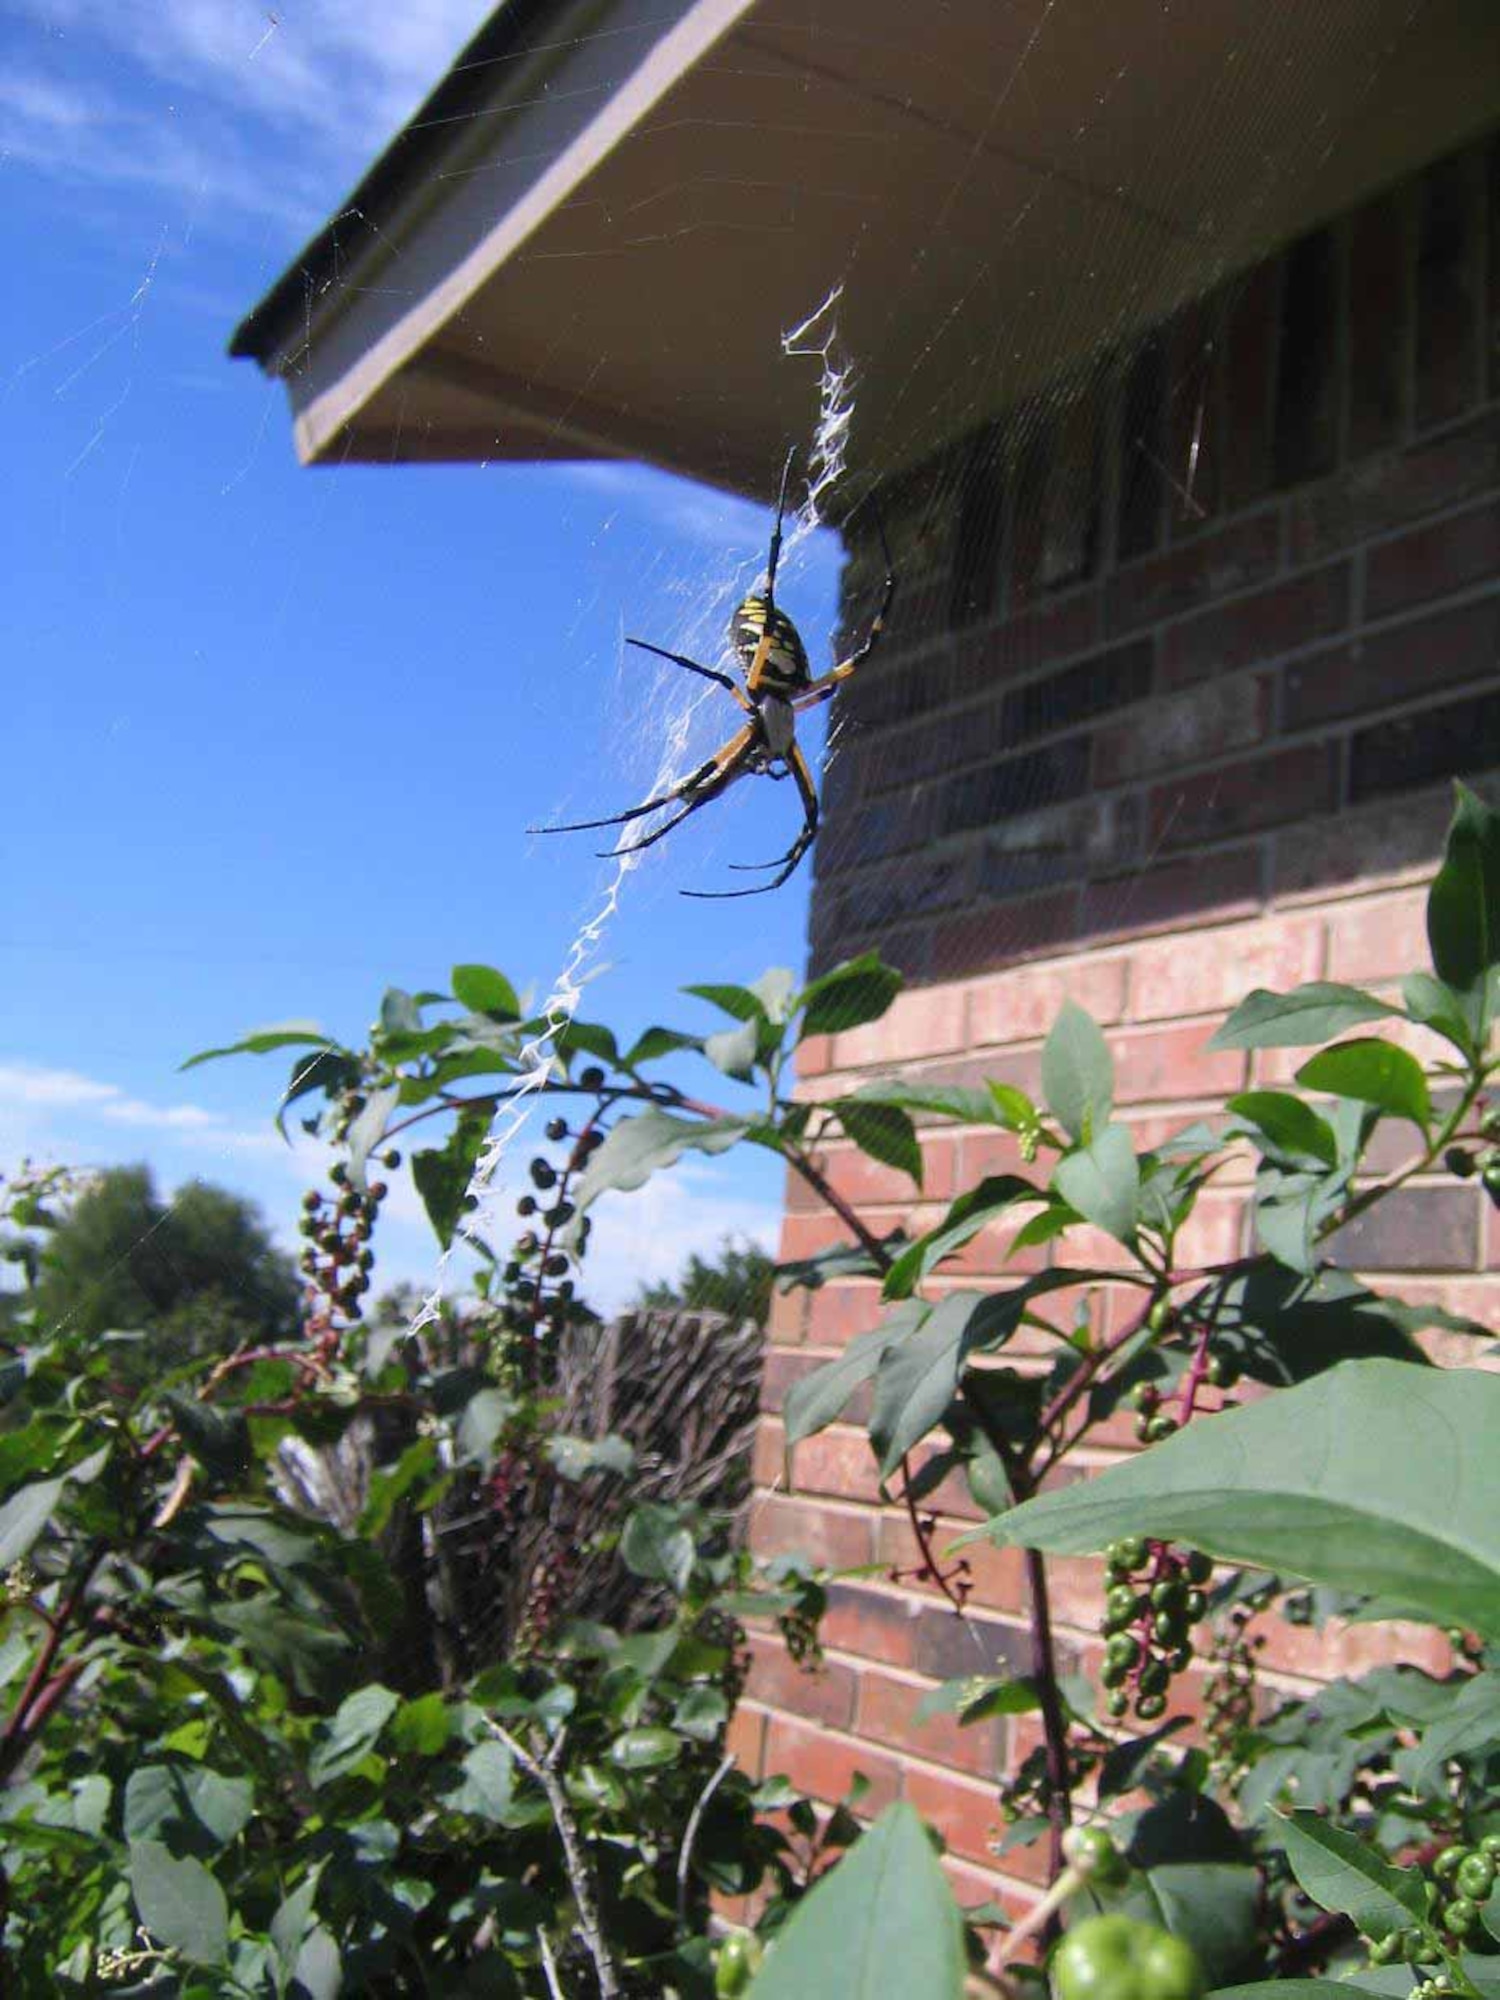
[931, 1561]
[37, 1698]
[1054, 1722]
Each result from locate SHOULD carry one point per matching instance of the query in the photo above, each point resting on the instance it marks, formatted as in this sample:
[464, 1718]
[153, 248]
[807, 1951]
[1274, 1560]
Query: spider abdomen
[777, 666]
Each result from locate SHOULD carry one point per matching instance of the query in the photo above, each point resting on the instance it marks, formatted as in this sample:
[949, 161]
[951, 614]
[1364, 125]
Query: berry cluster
[1486, 1163]
[538, 1274]
[1155, 1597]
[1229, 1697]
[338, 1259]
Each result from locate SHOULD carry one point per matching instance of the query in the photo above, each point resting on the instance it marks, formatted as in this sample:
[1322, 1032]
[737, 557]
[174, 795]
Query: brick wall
[1181, 664]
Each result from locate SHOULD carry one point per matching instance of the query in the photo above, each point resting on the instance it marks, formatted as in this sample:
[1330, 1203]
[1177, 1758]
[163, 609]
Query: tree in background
[737, 1282]
[198, 1274]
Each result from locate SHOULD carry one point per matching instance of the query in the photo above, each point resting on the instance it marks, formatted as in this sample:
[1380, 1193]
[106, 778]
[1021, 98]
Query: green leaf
[442, 1174]
[1078, 1073]
[641, 1146]
[733, 1050]
[1376, 1477]
[483, 990]
[1012, 1107]
[577, 1457]
[1463, 904]
[421, 1727]
[24, 1516]
[487, 1783]
[1341, 1873]
[736, 1001]
[179, 1902]
[1284, 1328]
[882, 1921]
[859, 990]
[918, 1374]
[1102, 1182]
[1288, 1125]
[814, 1401]
[883, 1131]
[218, 1439]
[1312, 1989]
[1312, 1013]
[1472, 1724]
[1372, 1071]
[942, 1100]
[261, 1041]
[776, 990]
[657, 1042]
[657, 1546]
[1436, 1006]
[352, 1731]
[390, 1484]
[964, 1220]
[976, 1697]
[645, 1749]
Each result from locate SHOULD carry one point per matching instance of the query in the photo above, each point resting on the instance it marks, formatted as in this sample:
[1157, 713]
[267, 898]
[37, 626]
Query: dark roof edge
[426, 134]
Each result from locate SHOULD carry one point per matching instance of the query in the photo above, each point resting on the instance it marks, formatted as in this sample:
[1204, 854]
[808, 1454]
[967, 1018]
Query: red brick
[1394, 665]
[745, 1738]
[965, 1814]
[1256, 628]
[950, 1647]
[806, 1235]
[928, 1022]
[1022, 1006]
[988, 656]
[1206, 889]
[1210, 971]
[990, 1253]
[837, 1463]
[1189, 728]
[1348, 1649]
[814, 1055]
[838, 1311]
[1214, 1232]
[874, 1623]
[974, 1887]
[1379, 494]
[993, 1152]
[887, 1710]
[996, 1575]
[825, 1766]
[1433, 561]
[1004, 933]
[1377, 938]
[1370, 845]
[864, 1182]
[1156, 1063]
[828, 1537]
[783, 1366]
[1236, 799]
[787, 1320]
[1213, 565]
[825, 1696]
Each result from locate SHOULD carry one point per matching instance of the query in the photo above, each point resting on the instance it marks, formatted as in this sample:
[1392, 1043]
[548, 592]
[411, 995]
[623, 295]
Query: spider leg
[707, 783]
[684, 788]
[775, 556]
[788, 861]
[694, 667]
[820, 690]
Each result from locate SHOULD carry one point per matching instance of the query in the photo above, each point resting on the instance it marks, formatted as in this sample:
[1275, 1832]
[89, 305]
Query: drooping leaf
[1472, 1724]
[658, 1042]
[885, 1132]
[653, 1139]
[977, 1697]
[1312, 1013]
[1343, 1873]
[442, 1173]
[1101, 1181]
[1078, 1073]
[736, 1001]
[860, 990]
[1375, 1072]
[817, 1399]
[1463, 904]
[882, 1921]
[1435, 1004]
[179, 1902]
[483, 990]
[964, 1220]
[261, 1041]
[776, 990]
[657, 1545]
[487, 1782]
[1377, 1477]
[1283, 1328]
[351, 1732]
[733, 1050]
[1288, 1125]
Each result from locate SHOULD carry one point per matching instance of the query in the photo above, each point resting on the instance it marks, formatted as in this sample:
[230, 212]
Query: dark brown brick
[1046, 632]
[1306, 441]
[1014, 785]
[1183, 729]
[1193, 468]
[906, 889]
[826, 1536]
[1492, 311]
[1392, 666]
[1214, 565]
[1258, 627]
[826, 1696]
[1383, 839]
[1251, 378]
[1093, 687]
[1447, 343]
[980, 508]
[1432, 561]
[1072, 497]
[1002, 934]
[1414, 1229]
[879, 696]
[1453, 741]
[1245, 797]
[887, 1712]
[872, 1623]
[1213, 886]
[1386, 493]
[946, 1646]
[1090, 836]
[1028, 511]
[1379, 324]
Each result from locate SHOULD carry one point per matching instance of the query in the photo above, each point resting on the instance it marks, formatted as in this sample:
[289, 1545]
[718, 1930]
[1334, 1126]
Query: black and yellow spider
[778, 684]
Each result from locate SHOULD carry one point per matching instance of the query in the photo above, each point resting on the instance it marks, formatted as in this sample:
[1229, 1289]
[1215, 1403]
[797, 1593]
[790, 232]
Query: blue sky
[273, 736]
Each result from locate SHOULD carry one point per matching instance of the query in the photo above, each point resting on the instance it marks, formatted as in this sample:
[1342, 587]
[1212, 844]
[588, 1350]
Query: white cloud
[27, 1083]
[262, 110]
[652, 1232]
[36, 1088]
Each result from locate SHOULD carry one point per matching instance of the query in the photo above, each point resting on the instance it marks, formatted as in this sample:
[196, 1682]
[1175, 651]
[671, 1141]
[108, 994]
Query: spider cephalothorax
[778, 684]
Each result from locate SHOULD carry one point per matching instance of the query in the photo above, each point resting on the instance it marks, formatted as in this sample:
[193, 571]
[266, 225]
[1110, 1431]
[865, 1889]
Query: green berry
[1461, 1915]
[1386, 1950]
[1475, 1877]
[1449, 1861]
[1150, 1706]
[1118, 1958]
[1199, 1566]
[1490, 1845]
[1092, 1851]
[1160, 1427]
[1117, 1703]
